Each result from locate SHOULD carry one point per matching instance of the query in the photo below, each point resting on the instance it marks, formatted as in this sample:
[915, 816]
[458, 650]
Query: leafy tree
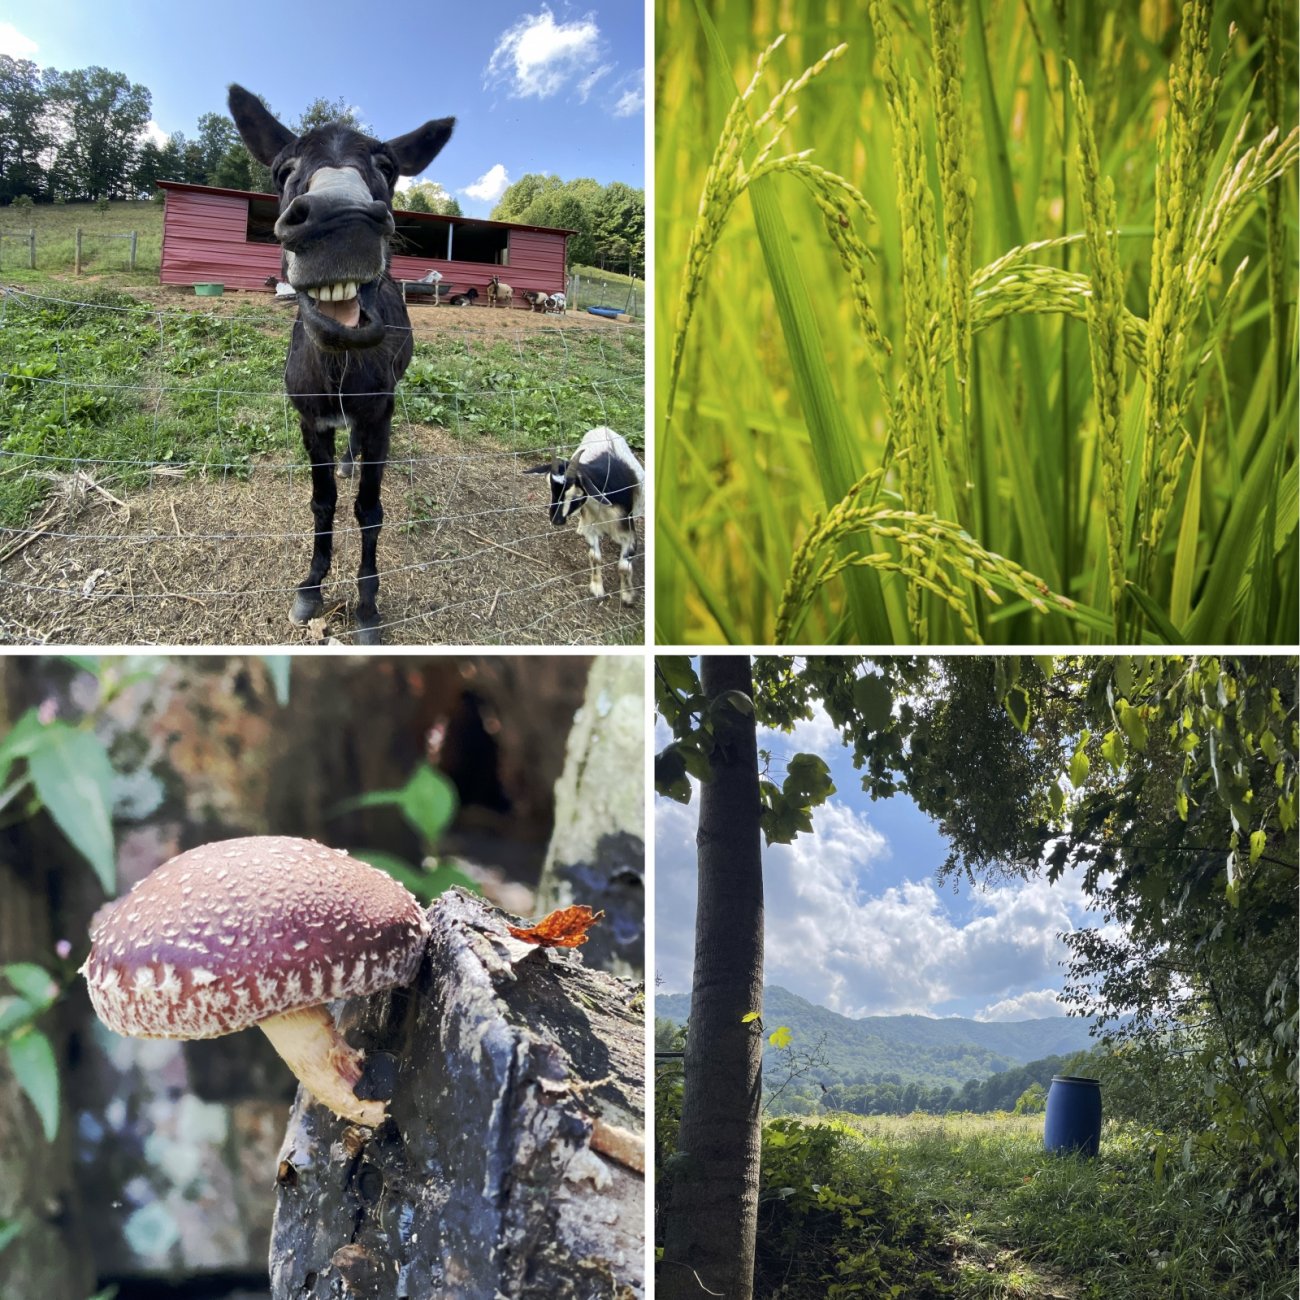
[217, 136]
[1033, 1101]
[321, 112]
[427, 196]
[24, 134]
[98, 117]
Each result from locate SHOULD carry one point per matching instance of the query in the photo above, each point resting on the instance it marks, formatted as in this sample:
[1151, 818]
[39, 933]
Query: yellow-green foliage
[926, 372]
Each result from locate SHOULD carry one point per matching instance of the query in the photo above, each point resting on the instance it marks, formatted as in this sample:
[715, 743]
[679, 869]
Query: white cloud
[153, 132]
[632, 100]
[490, 186]
[1026, 1006]
[538, 56]
[14, 43]
[588, 82]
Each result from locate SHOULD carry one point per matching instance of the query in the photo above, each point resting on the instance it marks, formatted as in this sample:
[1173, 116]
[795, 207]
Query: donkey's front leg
[307, 603]
[369, 511]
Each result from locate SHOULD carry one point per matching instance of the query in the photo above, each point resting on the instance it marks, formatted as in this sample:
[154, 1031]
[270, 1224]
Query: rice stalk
[724, 182]
[1105, 329]
[1183, 152]
[956, 184]
[933, 554]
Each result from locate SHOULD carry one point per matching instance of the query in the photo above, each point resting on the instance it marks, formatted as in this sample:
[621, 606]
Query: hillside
[906, 1049]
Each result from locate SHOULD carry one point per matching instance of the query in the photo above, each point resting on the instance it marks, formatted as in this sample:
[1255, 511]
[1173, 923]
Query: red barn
[226, 237]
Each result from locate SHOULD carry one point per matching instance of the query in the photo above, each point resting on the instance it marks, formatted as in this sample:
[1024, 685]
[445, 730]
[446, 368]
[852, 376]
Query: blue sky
[534, 87]
[856, 920]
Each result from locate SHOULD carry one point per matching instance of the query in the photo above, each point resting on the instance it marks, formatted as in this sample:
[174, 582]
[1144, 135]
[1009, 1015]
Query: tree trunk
[512, 1160]
[597, 852]
[710, 1222]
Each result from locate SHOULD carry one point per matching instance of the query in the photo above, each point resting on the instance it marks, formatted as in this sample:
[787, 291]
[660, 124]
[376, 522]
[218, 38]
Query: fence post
[31, 249]
[133, 236]
[77, 264]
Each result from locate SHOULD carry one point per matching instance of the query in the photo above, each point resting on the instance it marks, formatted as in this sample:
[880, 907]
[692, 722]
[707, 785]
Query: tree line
[609, 219]
[79, 136]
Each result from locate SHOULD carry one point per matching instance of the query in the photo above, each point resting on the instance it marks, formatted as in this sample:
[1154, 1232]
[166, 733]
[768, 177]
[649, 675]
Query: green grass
[94, 379]
[1022, 1223]
[56, 230]
[847, 333]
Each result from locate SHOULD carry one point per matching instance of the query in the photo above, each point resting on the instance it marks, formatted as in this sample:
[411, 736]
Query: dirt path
[467, 557]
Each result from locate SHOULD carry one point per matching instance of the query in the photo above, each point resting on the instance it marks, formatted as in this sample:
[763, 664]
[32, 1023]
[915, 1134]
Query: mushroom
[262, 930]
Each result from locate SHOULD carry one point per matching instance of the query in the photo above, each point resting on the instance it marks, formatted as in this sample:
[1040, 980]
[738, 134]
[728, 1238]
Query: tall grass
[1015, 362]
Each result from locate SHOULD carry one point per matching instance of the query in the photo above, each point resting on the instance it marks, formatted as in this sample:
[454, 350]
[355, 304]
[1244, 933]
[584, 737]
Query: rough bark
[597, 852]
[710, 1221]
[516, 1076]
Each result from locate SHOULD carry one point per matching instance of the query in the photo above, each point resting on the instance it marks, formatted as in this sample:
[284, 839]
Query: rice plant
[978, 322]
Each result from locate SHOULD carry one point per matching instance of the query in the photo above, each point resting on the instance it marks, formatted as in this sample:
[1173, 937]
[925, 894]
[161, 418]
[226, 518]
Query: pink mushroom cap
[228, 934]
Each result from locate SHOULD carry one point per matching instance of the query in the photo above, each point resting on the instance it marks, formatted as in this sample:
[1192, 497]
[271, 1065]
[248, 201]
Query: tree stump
[511, 1162]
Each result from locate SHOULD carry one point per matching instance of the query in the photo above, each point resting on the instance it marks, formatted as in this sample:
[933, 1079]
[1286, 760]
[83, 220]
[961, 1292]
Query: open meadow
[978, 323]
[970, 1206]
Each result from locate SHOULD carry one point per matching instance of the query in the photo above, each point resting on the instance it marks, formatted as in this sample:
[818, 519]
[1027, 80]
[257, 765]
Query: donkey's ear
[416, 149]
[264, 136]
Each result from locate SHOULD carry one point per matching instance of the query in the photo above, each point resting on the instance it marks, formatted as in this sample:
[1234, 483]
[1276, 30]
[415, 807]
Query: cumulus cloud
[1025, 1006]
[154, 133]
[538, 57]
[490, 186]
[14, 43]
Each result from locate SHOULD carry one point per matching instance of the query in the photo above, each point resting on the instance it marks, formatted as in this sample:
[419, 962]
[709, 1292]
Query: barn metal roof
[435, 218]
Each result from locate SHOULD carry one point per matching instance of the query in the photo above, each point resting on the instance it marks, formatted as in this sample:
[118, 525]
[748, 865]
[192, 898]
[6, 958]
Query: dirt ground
[467, 556]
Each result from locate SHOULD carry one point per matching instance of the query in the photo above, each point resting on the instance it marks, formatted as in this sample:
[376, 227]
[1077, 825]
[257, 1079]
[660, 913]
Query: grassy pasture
[877, 422]
[988, 1215]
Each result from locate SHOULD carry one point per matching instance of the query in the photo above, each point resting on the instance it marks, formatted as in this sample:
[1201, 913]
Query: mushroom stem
[325, 1065]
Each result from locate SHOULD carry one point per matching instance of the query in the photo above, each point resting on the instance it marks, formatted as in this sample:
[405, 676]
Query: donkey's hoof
[369, 633]
[305, 608]
[347, 467]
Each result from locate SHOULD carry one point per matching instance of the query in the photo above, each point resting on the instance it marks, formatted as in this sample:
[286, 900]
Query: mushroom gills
[325, 1065]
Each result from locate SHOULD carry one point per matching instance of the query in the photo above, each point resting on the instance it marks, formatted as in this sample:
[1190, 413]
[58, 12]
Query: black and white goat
[601, 485]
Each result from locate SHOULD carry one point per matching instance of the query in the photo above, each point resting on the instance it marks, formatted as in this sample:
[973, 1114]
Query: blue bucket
[1073, 1121]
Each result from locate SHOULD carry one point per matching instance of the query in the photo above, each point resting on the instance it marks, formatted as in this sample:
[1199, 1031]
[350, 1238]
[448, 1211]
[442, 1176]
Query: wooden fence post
[133, 239]
[31, 249]
[77, 265]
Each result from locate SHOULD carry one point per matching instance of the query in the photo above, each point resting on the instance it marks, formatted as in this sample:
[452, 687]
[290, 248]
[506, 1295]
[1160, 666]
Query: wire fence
[153, 488]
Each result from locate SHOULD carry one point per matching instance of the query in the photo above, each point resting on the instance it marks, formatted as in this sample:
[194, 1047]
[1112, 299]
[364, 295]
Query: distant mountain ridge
[920, 1048]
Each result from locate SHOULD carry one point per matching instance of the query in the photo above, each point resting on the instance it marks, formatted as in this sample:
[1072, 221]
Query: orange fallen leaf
[566, 927]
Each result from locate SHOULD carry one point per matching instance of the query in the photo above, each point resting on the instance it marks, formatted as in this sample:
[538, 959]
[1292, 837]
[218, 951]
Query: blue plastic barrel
[1073, 1120]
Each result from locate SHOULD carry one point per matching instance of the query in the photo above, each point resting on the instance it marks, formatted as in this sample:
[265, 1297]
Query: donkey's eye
[283, 172]
[387, 168]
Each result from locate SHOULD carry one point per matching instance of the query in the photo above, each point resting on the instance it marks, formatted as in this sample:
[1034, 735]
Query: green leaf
[1016, 703]
[1258, 841]
[1135, 727]
[670, 774]
[74, 780]
[277, 669]
[427, 801]
[808, 779]
[1112, 750]
[677, 673]
[31, 1058]
[35, 984]
[1080, 765]
[1056, 796]
[780, 1037]
[9, 1229]
[874, 701]
[737, 701]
